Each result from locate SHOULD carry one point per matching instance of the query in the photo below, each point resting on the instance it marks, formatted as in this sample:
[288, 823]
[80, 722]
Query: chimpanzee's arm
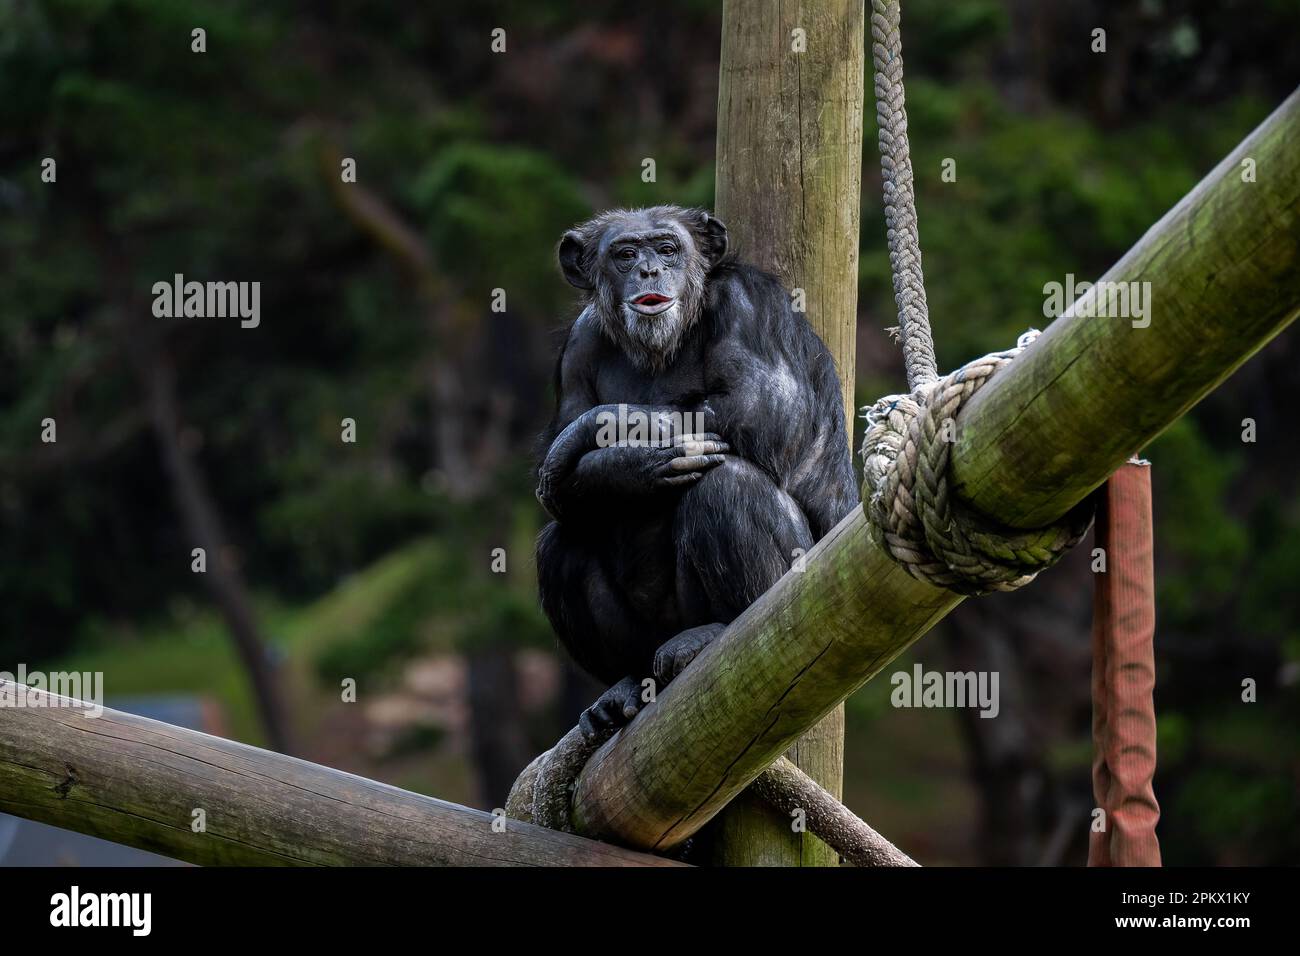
[577, 468]
[777, 395]
[606, 475]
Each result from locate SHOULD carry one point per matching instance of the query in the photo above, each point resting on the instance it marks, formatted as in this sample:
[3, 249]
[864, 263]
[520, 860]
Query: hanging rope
[909, 438]
[900, 199]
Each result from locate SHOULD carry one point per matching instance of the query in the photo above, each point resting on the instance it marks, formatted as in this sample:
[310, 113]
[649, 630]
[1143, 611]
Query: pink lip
[651, 298]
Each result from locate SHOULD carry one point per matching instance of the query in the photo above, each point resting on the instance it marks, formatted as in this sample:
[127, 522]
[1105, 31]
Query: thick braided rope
[906, 451]
[900, 199]
[543, 792]
[543, 795]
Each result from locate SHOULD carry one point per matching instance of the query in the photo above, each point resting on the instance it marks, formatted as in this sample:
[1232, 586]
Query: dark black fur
[633, 561]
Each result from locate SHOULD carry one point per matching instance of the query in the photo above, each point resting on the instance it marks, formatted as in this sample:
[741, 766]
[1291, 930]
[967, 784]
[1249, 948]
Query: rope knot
[934, 536]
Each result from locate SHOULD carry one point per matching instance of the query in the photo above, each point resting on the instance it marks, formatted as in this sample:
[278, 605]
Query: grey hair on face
[651, 342]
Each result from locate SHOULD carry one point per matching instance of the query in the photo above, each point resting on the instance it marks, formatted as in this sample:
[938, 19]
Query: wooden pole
[1034, 441]
[139, 782]
[789, 165]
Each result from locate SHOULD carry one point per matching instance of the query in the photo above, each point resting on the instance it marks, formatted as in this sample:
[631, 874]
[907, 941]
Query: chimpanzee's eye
[667, 249]
[627, 254]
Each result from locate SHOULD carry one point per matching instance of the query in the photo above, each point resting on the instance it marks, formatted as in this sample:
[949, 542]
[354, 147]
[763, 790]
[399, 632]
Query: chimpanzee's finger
[632, 702]
[696, 462]
[690, 449]
[611, 710]
[697, 436]
[676, 481]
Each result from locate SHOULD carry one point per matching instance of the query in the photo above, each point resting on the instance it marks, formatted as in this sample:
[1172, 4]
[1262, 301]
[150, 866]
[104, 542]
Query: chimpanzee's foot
[677, 652]
[612, 710]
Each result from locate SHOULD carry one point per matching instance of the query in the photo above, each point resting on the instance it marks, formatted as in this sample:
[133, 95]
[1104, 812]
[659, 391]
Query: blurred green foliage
[362, 554]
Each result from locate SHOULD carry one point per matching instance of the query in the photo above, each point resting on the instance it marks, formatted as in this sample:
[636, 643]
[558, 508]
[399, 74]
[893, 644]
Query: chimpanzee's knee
[589, 614]
[736, 534]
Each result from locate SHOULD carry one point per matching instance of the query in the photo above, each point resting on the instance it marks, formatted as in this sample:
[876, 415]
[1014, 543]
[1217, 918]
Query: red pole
[1123, 674]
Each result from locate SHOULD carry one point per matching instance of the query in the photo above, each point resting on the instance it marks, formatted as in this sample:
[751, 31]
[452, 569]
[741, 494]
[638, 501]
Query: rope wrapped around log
[543, 795]
[914, 517]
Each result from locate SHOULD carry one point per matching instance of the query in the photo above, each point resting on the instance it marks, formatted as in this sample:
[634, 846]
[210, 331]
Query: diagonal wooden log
[138, 782]
[1224, 268]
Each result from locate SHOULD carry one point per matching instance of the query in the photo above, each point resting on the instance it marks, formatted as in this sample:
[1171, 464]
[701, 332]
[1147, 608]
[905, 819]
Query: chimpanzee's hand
[691, 456]
[676, 653]
[581, 462]
[640, 468]
[612, 709]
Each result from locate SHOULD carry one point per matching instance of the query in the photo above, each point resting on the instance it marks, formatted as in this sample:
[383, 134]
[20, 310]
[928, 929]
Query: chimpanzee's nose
[647, 271]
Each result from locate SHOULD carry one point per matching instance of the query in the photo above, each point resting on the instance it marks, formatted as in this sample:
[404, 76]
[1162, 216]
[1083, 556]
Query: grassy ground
[192, 653]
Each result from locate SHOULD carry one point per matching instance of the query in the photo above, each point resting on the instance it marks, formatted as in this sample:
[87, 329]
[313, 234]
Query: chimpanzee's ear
[712, 237]
[570, 254]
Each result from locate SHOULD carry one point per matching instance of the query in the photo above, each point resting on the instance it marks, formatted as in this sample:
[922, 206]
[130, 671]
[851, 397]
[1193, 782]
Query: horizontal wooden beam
[140, 782]
[1034, 442]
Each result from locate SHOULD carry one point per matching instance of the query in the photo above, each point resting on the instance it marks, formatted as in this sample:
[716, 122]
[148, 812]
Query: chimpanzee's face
[645, 260]
[645, 272]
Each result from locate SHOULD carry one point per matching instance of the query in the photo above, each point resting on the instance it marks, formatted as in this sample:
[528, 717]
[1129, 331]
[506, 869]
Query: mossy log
[141, 782]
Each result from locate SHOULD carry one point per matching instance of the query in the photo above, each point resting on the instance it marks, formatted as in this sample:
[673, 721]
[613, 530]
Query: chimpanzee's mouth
[651, 303]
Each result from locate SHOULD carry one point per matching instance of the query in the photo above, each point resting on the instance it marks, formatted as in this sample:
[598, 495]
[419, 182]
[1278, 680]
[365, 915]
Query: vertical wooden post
[789, 171]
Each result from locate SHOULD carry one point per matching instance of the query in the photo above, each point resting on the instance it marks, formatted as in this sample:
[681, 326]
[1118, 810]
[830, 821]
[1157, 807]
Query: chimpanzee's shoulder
[583, 340]
[752, 302]
[732, 276]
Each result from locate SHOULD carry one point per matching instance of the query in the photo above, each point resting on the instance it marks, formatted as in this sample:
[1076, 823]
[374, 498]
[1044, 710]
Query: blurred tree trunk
[1006, 763]
[1025, 76]
[1122, 23]
[143, 345]
[501, 748]
[577, 691]
[1036, 638]
[203, 529]
[468, 460]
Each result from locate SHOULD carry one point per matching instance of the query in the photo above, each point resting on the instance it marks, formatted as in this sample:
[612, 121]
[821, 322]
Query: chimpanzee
[698, 444]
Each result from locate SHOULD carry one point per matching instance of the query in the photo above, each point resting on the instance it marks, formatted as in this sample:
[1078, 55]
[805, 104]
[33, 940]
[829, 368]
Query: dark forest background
[372, 560]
